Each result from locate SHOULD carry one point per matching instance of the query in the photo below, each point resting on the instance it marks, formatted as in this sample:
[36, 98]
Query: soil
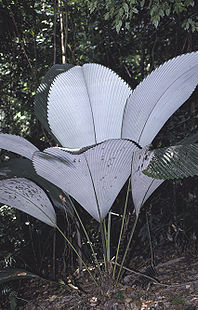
[174, 286]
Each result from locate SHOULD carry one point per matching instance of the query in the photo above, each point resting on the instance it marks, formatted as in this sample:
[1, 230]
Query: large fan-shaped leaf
[94, 178]
[17, 145]
[172, 162]
[86, 105]
[142, 185]
[43, 90]
[23, 168]
[28, 197]
[158, 97]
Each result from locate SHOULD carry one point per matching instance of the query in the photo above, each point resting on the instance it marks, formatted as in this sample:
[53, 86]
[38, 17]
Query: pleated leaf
[43, 90]
[142, 185]
[86, 105]
[17, 145]
[94, 178]
[174, 162]
[23, 168]
[158, 96]
[28, 197]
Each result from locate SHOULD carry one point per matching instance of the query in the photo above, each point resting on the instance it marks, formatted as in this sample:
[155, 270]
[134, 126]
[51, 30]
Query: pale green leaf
[118, 26]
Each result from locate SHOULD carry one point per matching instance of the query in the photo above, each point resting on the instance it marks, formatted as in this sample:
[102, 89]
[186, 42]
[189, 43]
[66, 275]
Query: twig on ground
[155, 281]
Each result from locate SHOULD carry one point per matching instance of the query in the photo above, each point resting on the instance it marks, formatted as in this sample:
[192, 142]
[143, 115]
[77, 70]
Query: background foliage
[132, 38]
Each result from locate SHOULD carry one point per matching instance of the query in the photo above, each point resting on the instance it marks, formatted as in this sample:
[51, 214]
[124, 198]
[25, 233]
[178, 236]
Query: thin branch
[66, 28]
[73, 31]
[127, 70]
[55, 27]
[138, 273]
[155, 281]
[62, 34]
[21, 41]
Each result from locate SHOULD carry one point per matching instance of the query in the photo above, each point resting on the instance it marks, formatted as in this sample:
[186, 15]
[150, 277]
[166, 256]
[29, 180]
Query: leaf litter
[175, 288]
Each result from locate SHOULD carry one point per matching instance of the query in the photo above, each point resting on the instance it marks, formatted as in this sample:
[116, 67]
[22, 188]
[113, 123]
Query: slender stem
[122, 227]
[62, 33]
[104, 242]
[100, 217]
[85, 232]
[109, 238]
[61, 232]
[106, 245]
[139, 273]
[76, 252]
[71, 245]
[127, 248]
[79, 245]
[66, 28]
[54, 33]
[54, 254]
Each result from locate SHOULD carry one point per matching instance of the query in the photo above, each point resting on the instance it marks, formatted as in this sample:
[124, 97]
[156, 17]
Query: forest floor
[177, 289]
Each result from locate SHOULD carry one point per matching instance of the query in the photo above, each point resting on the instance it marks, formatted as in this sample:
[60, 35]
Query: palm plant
[102, 126]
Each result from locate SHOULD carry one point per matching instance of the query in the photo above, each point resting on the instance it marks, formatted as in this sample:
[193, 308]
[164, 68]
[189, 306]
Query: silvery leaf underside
[28, 197]
[40, 107]
[142, 186]
[17, 145]
[158, 96]
[94, 178]
[86, 105]
[23, 168]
